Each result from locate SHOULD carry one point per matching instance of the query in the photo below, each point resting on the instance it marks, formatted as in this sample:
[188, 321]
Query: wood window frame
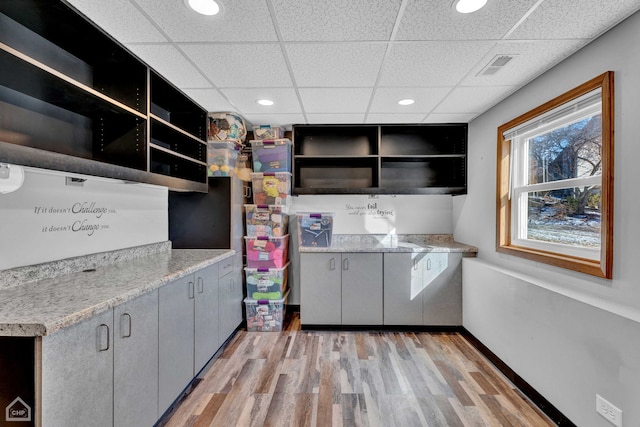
[602, 267]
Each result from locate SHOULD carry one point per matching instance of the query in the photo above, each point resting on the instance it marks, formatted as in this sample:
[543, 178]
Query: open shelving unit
[380, 159]
[72, 99]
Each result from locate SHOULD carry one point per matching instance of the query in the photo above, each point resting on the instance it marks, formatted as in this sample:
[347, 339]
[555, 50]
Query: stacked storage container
[267, 239]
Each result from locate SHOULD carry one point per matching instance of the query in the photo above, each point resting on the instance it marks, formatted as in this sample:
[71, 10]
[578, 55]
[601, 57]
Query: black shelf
[166, 163]
[380, 159]
[52, 33]
[167, 137]
[73, 99]
[173, 106]
[336, 140]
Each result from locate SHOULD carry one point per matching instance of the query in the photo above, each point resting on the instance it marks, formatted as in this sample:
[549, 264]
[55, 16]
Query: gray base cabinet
[135, 362]
[423, 289]
[207, 339]
[230, 294]
[126, 366]
[341, 288]
[176, 339]
[77, 374]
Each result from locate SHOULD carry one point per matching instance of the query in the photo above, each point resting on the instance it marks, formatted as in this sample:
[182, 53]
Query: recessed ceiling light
[406, 101]
[468, 6]
[265, 102]
[204, 7]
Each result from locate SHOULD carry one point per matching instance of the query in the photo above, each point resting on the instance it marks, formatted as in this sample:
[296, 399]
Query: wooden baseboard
[545, 406]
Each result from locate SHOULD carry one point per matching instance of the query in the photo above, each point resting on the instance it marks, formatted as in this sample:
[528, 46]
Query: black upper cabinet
[70, 90]
[384, 159]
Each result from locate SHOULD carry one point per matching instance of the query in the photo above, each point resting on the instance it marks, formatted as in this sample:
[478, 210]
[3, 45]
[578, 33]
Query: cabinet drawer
[225, 267]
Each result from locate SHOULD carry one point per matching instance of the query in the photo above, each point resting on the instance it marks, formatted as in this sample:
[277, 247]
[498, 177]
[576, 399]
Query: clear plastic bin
[266, 220]
[265, 315]
[272, 188]
[268, 132]
[315, 229]
[271, 155]
[221, 158]
[266, 283]
[267, 252]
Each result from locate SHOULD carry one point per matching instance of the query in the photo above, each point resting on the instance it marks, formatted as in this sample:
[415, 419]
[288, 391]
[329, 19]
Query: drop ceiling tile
[467, 100]
[240, 65]
[335, 100]
[442, 63]
[438, 20]
[282, 120]
[210, 99]
[170, 64]
[285, 100]
[563, 19]
[330, 119]
[450, 118]
[530, 59]
[241, 20]
[121, 19]
[335, 20]
[385, 100]
[394, 118]
[336, 65]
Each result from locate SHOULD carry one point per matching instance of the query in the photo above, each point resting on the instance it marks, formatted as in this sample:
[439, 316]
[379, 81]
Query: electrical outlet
[608, 411]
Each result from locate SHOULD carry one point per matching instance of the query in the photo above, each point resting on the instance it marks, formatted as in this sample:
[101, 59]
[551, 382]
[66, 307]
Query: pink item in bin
[267, 252]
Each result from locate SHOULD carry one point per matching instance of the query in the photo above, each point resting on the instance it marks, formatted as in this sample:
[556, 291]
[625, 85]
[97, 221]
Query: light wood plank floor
[339, 378]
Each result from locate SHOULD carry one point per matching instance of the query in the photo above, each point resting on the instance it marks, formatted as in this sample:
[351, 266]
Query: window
[555, 181]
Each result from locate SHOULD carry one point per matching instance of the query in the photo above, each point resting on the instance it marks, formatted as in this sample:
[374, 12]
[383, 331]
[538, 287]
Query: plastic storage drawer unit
[271, 188]
[266, 283]
[266, 220]
[267, 252]
[271, 155]
[265, 315]
[315, 229]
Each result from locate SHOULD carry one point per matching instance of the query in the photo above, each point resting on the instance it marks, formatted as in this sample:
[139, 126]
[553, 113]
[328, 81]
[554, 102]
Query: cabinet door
[206, 312]
[361, 289]
[176, 326]
[231, 295]
[320, 290]
[135, 365]
[442, 295]
[77, 374]
[403, 288]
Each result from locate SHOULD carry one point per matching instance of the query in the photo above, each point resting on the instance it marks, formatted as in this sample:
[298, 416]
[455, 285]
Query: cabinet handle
[428, 263]
[103, 337]
[191, 291]
[125, 325]
[200, 285]
[247, 191]
[232, 285]
[345, 264]
[415, 264]
[332, 264]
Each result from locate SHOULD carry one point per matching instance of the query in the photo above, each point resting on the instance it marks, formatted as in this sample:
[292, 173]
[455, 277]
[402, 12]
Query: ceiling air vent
[496, 64]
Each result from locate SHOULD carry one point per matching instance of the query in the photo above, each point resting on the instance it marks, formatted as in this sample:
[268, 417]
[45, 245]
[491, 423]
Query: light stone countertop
[42, 307]
[393, 243]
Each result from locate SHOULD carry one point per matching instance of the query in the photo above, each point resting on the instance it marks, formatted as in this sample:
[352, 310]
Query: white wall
[544, 365]
[47, 220]
[382, 214]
